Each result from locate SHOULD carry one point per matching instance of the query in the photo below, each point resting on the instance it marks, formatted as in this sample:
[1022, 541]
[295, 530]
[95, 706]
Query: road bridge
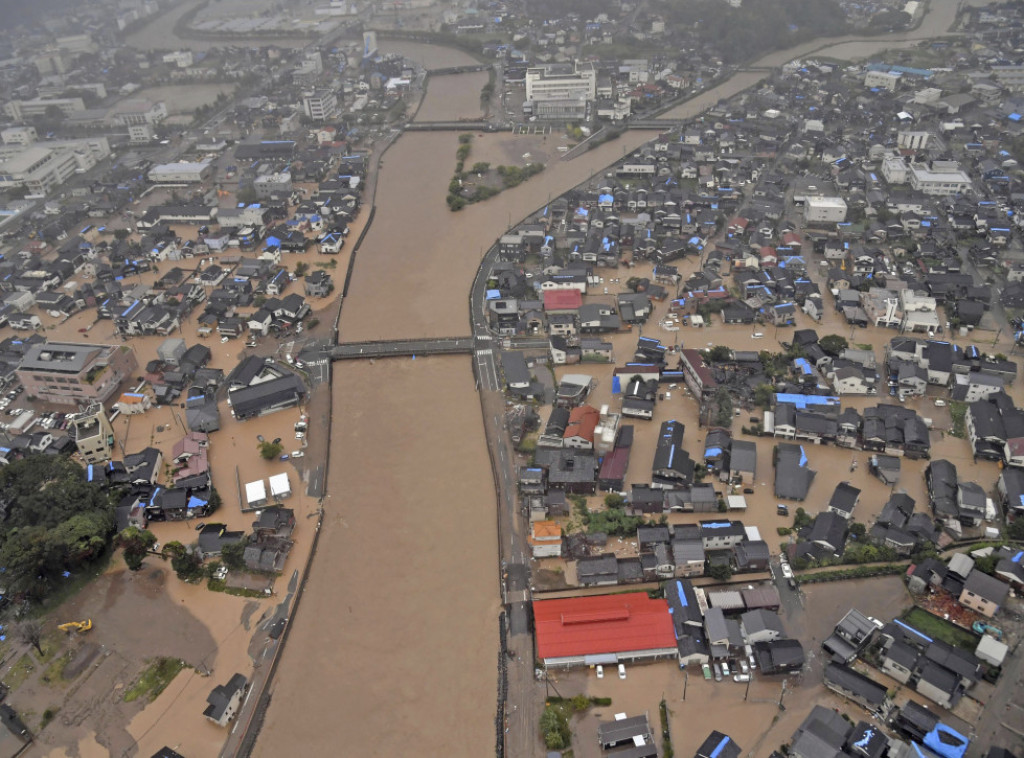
[459, 70]
[403, 348]
[452, 126]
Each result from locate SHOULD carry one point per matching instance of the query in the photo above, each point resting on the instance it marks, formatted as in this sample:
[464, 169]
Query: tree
[723, 400]
[1016, 529]
[719, 354]
[270, 450]
[763, 395]
[801, 519]
[31, 633]
[301, 268]
[187, 565]
[136, 543]
[233, 554]
[858, 529]
[121, 234]
[614, 500]
[56, 521]
[246, 195]
[480, 167]
[833, 344]
[720, 571]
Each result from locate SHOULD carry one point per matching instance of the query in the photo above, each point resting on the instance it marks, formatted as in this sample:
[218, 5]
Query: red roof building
[582, 631]
[562, 301]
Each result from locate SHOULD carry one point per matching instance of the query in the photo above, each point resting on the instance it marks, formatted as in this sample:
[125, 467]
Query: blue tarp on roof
[195, 502]
[946, 742]
[712, 451]
[616, 385]
[804, 401]
[803, 457]
[720, 747]
[913, 630]
[493, 294]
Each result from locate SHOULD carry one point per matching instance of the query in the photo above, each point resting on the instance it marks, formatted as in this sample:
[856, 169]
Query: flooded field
[453, 97]
[402, 601]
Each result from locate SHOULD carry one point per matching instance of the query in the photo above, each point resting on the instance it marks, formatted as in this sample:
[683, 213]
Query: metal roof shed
[280, 487]
[255, 494]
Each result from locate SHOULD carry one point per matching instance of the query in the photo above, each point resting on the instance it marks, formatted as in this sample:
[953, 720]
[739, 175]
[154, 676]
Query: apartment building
[68, 373]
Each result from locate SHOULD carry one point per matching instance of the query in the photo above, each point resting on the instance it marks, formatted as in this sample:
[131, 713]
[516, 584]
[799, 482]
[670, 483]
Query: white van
[757, 336]
[940, 403]
[622, 671]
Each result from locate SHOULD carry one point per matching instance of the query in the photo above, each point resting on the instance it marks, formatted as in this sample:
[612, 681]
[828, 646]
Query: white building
[255, 494]
[182, 172]
[913, 140]
[560, 90]
[179, 58]
[942, 178]
[894, 169]
[824, 210]
[882, 79]
[19, 110]
[140, 133]
[320, 105]
[19, 135]
[39, 169]
[280, 487]
[131, 112]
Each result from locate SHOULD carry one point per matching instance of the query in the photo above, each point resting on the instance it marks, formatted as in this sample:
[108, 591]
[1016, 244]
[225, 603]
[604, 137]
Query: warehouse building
[603, 629]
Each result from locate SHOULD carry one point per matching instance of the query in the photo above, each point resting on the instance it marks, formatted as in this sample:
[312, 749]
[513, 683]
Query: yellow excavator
[76, 626]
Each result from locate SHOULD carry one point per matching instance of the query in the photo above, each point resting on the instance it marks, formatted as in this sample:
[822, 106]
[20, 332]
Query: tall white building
[320, 105]
[560, 90]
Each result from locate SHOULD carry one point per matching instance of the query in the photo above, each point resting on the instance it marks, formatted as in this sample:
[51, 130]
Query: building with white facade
[560, 90]
[182, 172]
[894, 169]
[131, 112]
[41, 167]
[824, 210]
[179, 58]
[942, 178]
[19, 135]
[19, 110]
[320, 105]
[882, 79]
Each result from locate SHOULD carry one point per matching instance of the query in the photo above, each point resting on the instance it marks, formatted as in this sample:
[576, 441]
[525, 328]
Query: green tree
[233, 554]
[720, 571]
[270, 450]
[833, 344]
[135, 543]
[301, 268]
[723, 401]
[1016, 529]
[121, 234]
[801, 519]
[858, 529]
[763, 395]
[187, 565]
[614, 500]
[56, 521]
[246, 195]
[719, 354]
[480, 167]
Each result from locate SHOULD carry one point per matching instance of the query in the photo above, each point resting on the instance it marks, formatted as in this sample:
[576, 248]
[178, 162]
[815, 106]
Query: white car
[787, 572]
[297, 454]
[300, 435]
[600, 671]
[622, 671]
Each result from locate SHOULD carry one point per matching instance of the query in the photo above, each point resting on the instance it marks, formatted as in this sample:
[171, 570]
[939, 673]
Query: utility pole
[747, 693]
[686, 681]
[782, 695]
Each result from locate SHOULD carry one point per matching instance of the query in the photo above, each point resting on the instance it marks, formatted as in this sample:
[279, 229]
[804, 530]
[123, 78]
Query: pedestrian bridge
[348, 351]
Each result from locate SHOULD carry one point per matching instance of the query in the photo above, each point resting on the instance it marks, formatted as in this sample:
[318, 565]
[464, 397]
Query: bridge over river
[403, 348]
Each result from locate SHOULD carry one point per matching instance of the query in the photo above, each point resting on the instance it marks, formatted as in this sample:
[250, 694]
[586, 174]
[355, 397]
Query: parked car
[725, 668]
[718, 673]
[200, 525]
[600, 671]
[787, 572]
[707, 671]
[285, 457]
[297, 453]
[741, 678]
[622, 671]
